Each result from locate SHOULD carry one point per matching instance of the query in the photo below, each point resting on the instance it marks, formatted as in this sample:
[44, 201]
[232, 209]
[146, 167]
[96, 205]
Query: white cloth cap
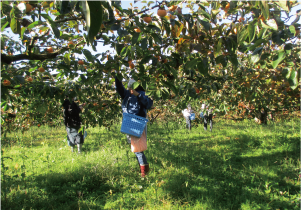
[131, 82]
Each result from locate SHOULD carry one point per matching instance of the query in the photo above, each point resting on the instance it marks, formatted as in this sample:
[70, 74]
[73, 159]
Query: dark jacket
[136, 105]
[71, 118]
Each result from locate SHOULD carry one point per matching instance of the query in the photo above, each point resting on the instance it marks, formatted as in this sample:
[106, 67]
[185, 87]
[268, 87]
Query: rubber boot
[144, 170]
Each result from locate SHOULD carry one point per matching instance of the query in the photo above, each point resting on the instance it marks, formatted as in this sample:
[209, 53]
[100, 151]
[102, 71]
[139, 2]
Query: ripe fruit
[70, 44]
[235, 30]
[241, 19]
[41, 69]
[161, 12]
[80, 62]
[261, 17]
[147, 19]
[6, 82]
[49, 49]
[28, 8]
[29, 79]
[137, 30]
[227, 7]
[39, 125]
[172, 8]
[132, 65]
[130, 61]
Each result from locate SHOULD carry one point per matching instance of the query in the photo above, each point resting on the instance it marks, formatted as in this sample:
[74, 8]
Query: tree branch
[9, 59]
[68, 19]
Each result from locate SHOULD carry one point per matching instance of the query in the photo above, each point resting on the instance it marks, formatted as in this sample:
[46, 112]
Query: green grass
[237, 166]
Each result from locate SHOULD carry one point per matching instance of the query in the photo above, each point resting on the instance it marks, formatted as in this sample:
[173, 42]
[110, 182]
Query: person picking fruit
[134, 101]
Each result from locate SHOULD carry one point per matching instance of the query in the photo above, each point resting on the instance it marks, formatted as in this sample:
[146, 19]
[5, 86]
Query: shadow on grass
[227, 179]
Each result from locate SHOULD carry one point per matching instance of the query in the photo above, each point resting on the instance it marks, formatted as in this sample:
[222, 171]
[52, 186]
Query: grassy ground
[237, 166]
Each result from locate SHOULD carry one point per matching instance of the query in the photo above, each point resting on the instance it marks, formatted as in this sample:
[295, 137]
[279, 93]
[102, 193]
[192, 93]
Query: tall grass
[237, 166]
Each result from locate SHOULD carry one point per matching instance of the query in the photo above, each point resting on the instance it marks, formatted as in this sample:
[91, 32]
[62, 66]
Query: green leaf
[219, 46]
[135, 85]
[242, 35]
[278, 59]
[292, 30]
[156, 38]
[2, 44]
[144, 44]
[158, 93]
[251, 29]
[94, 15]
[5, 107]
[205, 24]
[67, 58]
[174, 2]
[3, 22]
[15, 26]
[34, 24]
[293, 79]
[153, 27]
[123, 51]
[23, 29]
[88, 55]
[4, 26]
[136, 38]
[52, 25]
[192, 63]
[283, 5]
[255, 57]
[64, 7]
[265, 9]
[3, 103]
[118, 47]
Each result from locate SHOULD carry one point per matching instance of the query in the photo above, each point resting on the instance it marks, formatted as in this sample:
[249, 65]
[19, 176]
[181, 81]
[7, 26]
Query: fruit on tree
[147, 19]
[70, 44]
[137, 30]
[29, 79]
[161, 12]
[6, 82]
[50, 49]
[172, 8]
[28, 8]
[80, 62]
[41, 69]
[227, 7]
[132, 65]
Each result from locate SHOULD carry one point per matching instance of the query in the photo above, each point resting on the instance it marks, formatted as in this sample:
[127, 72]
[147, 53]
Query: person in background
[186, 113]
[134, 101]
[73, 122]
[207, 110]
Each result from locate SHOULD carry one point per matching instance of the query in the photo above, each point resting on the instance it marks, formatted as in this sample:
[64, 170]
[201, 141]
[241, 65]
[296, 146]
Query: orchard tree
[231, 54]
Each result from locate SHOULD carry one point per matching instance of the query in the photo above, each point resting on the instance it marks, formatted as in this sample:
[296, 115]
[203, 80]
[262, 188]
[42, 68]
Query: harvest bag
[138, 144]
[133, 125]
[192, 116]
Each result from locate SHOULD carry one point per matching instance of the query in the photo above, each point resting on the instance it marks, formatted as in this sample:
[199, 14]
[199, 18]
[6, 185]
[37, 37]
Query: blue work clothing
[136, 105]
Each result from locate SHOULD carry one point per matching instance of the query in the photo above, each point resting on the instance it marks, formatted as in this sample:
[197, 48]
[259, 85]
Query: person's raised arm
[119, 87]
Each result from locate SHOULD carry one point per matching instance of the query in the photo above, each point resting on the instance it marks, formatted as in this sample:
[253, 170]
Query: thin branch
[68, 19]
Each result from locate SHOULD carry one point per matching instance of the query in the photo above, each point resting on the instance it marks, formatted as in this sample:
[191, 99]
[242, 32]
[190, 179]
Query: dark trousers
[206, 120]
[188, 123]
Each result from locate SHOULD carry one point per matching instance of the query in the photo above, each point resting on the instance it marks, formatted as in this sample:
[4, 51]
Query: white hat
[131, 82]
